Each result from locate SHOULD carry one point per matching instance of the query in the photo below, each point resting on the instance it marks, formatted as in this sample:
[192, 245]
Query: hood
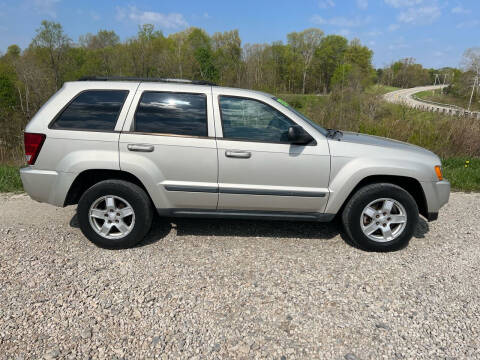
[358, 138]
[353, 142]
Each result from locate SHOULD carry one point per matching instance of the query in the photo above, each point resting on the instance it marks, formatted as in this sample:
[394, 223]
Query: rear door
[168, 142]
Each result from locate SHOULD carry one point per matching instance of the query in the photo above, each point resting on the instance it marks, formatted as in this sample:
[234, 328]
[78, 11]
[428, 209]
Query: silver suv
[123, 148]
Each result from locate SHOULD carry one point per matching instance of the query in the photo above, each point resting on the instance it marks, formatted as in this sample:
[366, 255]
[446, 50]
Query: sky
[434, 32]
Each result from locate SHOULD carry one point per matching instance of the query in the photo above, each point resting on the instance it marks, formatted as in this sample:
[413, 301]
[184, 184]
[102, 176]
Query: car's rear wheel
[115, 214]
[380, 217]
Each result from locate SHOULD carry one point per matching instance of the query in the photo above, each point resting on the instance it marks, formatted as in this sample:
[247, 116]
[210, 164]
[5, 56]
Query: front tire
[380, 217]
[115, 214]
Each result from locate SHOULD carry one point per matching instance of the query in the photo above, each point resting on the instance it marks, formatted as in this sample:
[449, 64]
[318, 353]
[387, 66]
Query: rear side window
[172, 113]
[92, 110]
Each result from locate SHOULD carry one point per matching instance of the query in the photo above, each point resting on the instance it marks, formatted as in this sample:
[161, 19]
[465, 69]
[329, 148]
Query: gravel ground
[237, 289]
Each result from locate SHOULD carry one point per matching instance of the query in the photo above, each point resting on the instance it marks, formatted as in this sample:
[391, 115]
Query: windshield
[315, 125]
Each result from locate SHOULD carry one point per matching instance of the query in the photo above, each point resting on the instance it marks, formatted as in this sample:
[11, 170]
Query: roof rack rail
[127, 78]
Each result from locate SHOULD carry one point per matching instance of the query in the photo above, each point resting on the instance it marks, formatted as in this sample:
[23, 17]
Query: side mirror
[298, 136]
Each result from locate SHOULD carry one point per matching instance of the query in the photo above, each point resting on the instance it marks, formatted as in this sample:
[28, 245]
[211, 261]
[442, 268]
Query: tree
[101, 40]
[50, 37]
[471, 60]
[14, 51]
[227, 52]
[200, 46]
[305, 44]
[329, 56]
[407, 73]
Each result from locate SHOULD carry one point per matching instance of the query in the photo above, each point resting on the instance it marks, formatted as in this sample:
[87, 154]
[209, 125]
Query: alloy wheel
[111, 217]
[383, 220]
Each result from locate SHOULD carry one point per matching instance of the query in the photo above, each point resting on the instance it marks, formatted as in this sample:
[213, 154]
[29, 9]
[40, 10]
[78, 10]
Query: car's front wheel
[380, 217]
[115, 214]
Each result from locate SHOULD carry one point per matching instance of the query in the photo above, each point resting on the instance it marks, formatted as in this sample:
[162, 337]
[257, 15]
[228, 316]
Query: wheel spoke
[127, 211]
[122, 227]
[110, 203]
[370, 228]
[387, 206]
[398, 219]
[387, 233]
[370, 212]
[99, 214]
[105, 230]
[387, 220]
[112, 210]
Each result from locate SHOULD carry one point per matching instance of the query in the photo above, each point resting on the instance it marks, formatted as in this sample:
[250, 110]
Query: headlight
[438, 171]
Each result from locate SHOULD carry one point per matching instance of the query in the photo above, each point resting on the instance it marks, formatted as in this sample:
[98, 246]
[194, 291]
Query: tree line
[308, 62]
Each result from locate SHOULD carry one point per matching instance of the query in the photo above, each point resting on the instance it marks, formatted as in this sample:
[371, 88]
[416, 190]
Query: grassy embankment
[455, 139]
[437, 96]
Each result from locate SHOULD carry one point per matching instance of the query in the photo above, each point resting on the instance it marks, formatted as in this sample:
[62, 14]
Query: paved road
[202, 289]
[404, 96]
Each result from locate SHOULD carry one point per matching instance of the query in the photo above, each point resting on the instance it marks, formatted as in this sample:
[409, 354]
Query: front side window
[172, 113]
[92, 110]
[248, 119]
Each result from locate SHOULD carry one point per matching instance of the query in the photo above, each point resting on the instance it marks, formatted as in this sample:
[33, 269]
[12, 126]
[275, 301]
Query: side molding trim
[227, 190]
[242, 191]
[190, 188]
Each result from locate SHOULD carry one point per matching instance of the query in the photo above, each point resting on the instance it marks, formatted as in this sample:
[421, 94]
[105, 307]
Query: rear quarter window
[96, 110]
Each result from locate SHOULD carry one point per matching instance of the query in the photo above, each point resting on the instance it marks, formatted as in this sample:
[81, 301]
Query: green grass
[462, 178]
[379, 89]
[10, 179]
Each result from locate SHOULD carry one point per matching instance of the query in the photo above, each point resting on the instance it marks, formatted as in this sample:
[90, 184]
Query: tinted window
[249, 119]
[92, 110]
[172, 113]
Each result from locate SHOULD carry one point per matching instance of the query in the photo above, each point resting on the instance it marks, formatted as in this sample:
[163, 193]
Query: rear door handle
[140, 147]
[238, 154]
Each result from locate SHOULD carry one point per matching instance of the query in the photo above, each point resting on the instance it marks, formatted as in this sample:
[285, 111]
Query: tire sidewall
[366, 196]
[133, 195]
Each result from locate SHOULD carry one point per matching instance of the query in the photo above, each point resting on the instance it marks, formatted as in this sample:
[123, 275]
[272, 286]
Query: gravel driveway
[237, 289]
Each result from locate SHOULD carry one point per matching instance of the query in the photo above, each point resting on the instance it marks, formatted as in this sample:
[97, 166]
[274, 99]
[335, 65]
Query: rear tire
[380, 217]
[115, 214]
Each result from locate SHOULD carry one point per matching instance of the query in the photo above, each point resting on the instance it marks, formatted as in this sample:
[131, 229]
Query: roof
[140, 79]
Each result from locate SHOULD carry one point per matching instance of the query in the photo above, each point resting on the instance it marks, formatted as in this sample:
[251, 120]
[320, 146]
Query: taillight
[33, 144]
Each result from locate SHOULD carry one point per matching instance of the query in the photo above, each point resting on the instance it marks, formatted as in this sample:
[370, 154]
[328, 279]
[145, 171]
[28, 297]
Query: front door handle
[140, 147]
[238, 154]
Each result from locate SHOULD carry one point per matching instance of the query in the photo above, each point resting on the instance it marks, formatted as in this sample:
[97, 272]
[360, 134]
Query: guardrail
[447, 108]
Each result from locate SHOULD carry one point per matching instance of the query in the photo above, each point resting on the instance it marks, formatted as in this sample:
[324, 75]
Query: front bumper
[437, 194]
[45, 185]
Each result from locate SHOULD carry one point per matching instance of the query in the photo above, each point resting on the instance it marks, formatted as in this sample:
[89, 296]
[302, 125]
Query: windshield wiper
[333, 134]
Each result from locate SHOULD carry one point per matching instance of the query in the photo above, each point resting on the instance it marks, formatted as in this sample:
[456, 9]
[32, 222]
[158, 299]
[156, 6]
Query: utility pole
[437, 77]
[444, 81]
[475, 84]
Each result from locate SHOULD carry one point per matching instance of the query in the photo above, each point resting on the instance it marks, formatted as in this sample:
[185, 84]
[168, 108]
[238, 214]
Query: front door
[258, 169]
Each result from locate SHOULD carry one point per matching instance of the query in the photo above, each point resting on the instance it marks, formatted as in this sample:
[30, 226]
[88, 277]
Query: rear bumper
[45, 185]
[437, 194]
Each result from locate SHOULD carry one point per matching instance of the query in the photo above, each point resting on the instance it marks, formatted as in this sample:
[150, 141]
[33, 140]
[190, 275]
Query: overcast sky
[434, 32]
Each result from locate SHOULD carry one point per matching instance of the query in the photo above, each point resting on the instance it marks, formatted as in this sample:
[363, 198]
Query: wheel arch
[409, 184]
[88, 178]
